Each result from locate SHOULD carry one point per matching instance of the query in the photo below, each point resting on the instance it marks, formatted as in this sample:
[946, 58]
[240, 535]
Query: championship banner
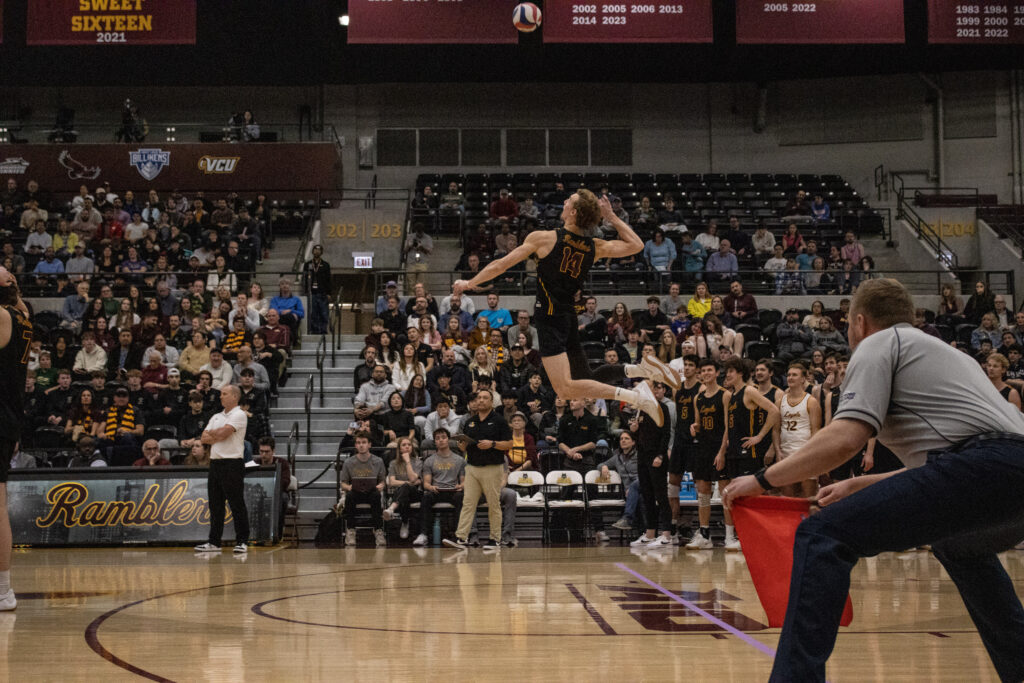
[111, 22]
[664, 21]
[278, 166]
[824, 22]
[131, 506]
[431, 21]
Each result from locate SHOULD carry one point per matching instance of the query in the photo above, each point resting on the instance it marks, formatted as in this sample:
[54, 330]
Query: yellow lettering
[63, 497]
[76, 23]
[145, 23]
[83, 5]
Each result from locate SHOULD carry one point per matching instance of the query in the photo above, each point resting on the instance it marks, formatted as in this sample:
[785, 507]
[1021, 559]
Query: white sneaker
[403, 533]
[388, 514]
[207, 548]
[623, 524]
[601, 537]
[420, 540]
[241, 549]
[8, 601]
[379, 538]
[698, 542]
[660, 372]
[660, 542]
[350, 537]
[647, 403]
[643, 540]
[732, 544]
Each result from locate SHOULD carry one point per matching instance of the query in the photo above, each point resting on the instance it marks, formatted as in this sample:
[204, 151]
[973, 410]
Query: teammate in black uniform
[752, 417]
[565, 257]
[708, 460]
[15, 340]
[682, 447]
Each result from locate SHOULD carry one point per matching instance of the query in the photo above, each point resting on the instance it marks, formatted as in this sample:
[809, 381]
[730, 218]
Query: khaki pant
[415, 272]
[488, 481]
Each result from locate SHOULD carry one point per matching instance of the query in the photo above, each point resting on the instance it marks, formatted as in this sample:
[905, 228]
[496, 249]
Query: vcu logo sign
[208, 164]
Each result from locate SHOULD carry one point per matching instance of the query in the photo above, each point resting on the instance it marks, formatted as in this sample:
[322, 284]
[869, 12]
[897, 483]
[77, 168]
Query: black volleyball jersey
[684, 408]
[744, 422]
[711, 419]
[13, 364]
[562, 272]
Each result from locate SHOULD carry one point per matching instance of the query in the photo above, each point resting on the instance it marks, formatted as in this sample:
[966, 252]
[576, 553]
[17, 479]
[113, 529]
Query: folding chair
[565, 491]
[606, 493]
[528, 485]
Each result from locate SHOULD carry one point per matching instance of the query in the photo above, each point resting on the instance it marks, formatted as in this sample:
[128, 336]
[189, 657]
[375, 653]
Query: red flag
[766, 526]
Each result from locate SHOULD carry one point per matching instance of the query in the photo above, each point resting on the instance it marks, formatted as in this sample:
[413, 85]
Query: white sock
[5, 581]
[730, 530]
[634, 371]
[627, 395]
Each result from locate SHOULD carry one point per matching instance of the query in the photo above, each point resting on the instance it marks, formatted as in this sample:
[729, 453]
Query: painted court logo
[208, 164]
[150, 161]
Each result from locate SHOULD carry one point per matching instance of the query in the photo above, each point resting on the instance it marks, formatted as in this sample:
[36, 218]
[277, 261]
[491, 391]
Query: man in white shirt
[225, 435]
[219, 370]
[90, 358]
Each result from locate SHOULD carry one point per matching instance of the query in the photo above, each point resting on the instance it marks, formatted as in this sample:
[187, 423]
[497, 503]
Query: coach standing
[225, 434]
[485, 469]
[963, 447]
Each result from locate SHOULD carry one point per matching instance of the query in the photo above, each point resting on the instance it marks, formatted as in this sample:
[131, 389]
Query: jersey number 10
[572, 262]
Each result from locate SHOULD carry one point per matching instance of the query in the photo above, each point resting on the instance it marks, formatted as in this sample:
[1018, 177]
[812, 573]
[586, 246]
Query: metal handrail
[944, 253]
[321, 355]
[293, 444]
[308, 401]
[335, 321]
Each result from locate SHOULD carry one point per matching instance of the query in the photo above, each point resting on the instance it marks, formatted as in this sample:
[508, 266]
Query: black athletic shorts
[702, 464]
[6, 453]
[740, 467]
[680, 451]
[557, 334]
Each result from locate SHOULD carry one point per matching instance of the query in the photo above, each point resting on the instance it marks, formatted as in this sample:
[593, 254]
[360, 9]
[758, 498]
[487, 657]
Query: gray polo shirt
[920, 394]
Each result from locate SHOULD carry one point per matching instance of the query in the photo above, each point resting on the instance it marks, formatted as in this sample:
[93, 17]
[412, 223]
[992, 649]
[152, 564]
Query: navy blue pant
[319, 313]
[968, 504]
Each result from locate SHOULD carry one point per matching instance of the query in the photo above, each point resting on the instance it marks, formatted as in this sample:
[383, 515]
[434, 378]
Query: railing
[293, 448]
[164, 131]
[1007, 221]
[321, 354]
[308, 402]
[944, 253]
[335, 321]
[759, 282]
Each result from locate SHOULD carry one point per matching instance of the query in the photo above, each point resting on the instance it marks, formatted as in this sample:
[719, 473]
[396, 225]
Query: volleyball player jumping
[565, 256]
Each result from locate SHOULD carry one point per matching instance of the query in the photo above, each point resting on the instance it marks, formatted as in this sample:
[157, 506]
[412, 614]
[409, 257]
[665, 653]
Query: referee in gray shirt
[962, 489]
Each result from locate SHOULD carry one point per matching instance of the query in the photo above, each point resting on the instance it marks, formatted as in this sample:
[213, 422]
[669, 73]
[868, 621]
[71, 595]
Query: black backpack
[329, 531]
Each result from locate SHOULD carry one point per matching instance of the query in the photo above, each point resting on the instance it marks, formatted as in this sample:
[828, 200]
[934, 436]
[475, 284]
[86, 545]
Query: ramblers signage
[115, 506]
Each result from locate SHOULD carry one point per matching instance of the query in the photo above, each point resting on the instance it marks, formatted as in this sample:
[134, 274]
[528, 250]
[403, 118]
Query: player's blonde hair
[884, 301]
[588, 212]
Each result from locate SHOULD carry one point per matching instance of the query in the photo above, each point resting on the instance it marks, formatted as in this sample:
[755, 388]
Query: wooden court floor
[525, 614]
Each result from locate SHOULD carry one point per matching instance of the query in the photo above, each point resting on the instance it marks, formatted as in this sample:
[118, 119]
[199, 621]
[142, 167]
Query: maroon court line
[592, 611]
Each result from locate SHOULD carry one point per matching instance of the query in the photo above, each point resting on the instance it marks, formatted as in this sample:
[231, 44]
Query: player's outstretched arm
[533, 242]
[629, 242]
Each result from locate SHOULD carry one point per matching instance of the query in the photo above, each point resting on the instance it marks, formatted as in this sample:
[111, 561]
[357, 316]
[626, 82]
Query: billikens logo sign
[150, 161]
[208, 164]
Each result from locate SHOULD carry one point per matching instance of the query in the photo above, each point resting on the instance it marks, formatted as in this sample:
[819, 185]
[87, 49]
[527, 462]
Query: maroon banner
[950, 21]
[124, 22]
[1, 21]
[164, 166]
[431, 21]
[662, 21]
[821, 22]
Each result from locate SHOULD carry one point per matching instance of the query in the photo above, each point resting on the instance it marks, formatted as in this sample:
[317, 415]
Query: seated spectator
[523, 454]
[121, 432]
[848, 278]
[220, 370]
[644, 216]
[740, 305]
[820, 210]
[364, 371]
[514, 374]
[396, 421]
[797, 206]
[700, 304]
[177, 336]
[578, 434]
[454, 335]
[242, 310]
[790, 280]
[794, 338]
[669, 218]
[126, 318]
[649, 324]
[818, 280]
[709, 239]
[996, 366]
[722, 266]
[83, 419]
[763, 242]
[826, 338]
[49, 264]
[133, 264]
[358, 475]
[167, 354]
[950, 309]
[404, 478]
[372, 397]
[496, 350]
[407, 366]
[454, 306]
[417, 400]
[714, 335]
[693, 254]
[624, 462]
[154, 375]
[236, 339]
[246, 362]
[792, 241]
[806, 259]
[659, 253]
[777, 263]
[195, 356]
[288, 307]
[739, 240]
[812, 319]
[395, 321]
[75, 307]
[1003, 317]
[172, 401]
[921, 323]
[443, 475]
[497, 317]
[38, 241]
[852, 249]
[446, 390]
[504, 208]
[151, 456]
[443, 416]
[988, 329]
[482, 363]
[192, 424]
[278, 336]
[90, 358]
[124, 356]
